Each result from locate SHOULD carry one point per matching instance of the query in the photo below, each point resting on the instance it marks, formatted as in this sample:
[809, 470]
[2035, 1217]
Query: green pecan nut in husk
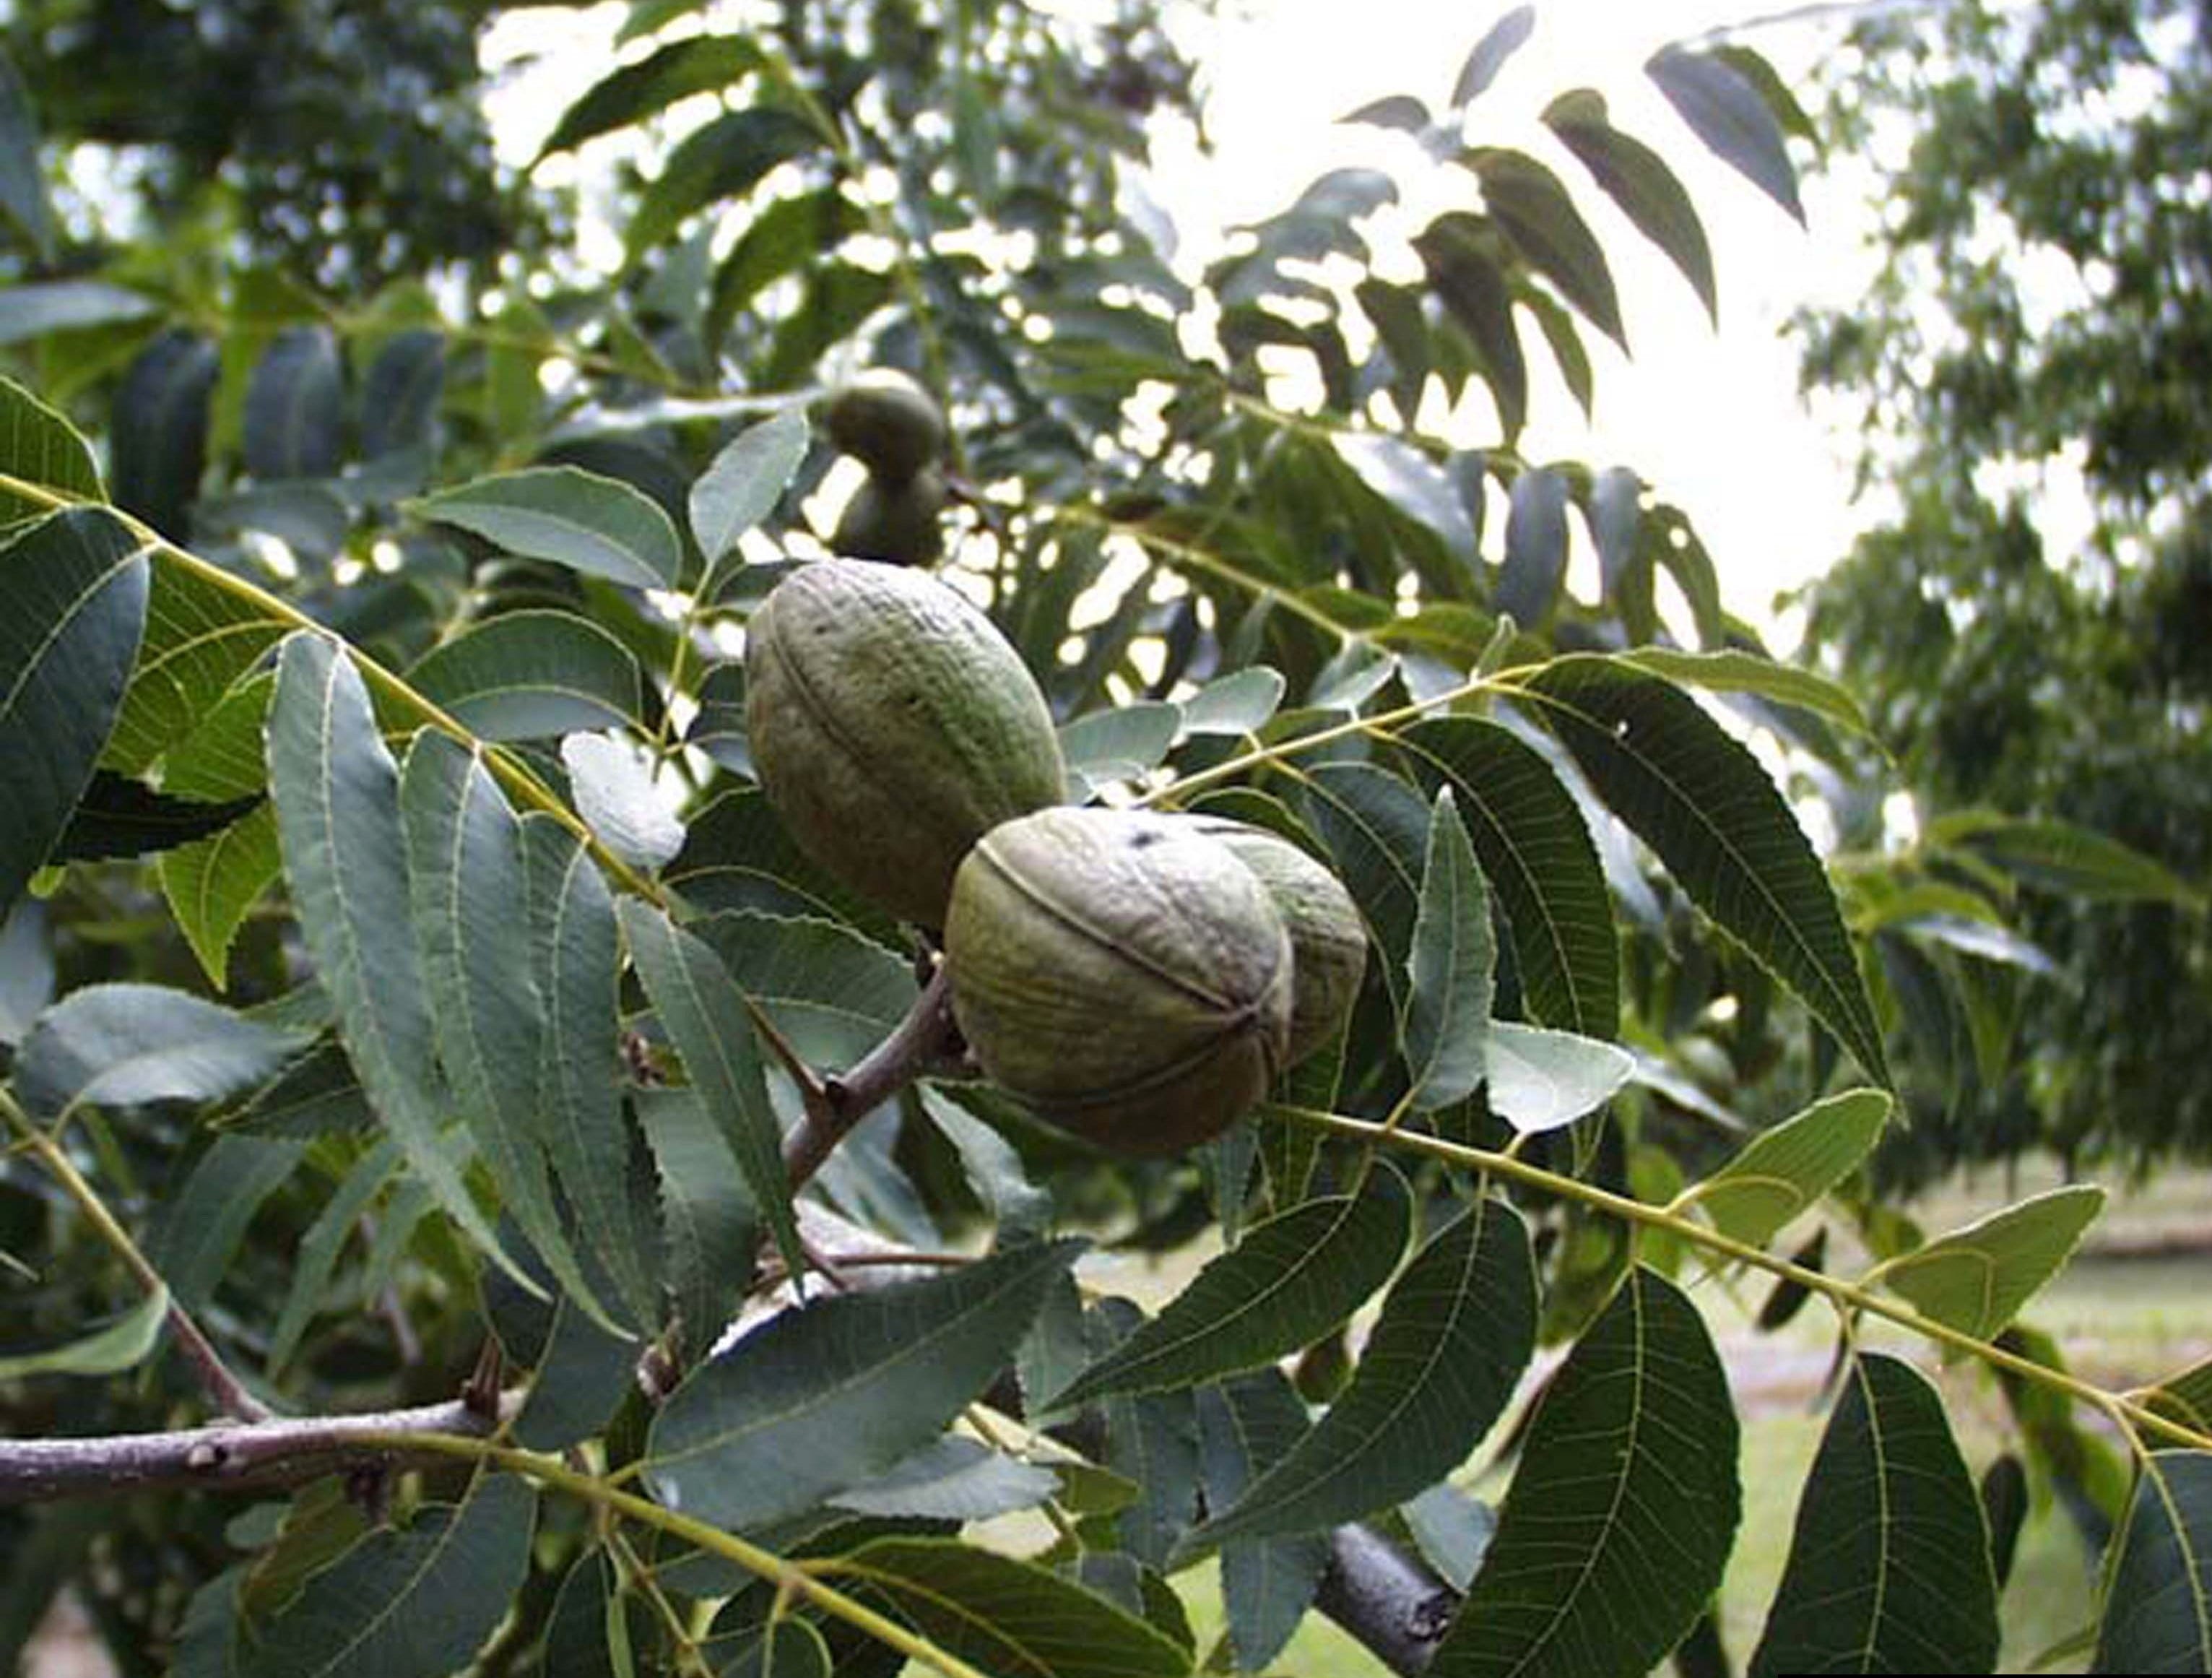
[900, 523]
[1121, 973]
[1328, 941]
[892, 725]
[888, 422]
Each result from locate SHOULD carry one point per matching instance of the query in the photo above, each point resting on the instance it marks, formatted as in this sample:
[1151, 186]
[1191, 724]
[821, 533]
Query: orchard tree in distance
[2026, 631]
[506, 1174]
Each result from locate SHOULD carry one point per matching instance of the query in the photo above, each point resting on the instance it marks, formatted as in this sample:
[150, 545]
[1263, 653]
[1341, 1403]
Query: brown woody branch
[229, 1456]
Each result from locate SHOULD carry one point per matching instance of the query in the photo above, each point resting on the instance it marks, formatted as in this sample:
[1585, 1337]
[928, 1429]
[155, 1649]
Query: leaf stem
[786, 1576]
[1844, 1295]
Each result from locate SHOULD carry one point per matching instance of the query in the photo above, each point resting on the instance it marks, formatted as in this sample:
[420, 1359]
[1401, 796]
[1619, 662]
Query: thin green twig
[1846, 1296]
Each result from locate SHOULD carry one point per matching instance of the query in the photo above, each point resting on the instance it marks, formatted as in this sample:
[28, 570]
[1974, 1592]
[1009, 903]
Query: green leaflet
[1291, 1279]
[1780, 1172]
[412, 1602]
[1456, 1331]
[337, 796]
[1009, 1617]
[75, 585]
[1536, 854]
[123, 1344]
[827, 1396]
[742, 485]
[1448, 984]
[1613, 1532]
[469, 896]
[1889, 1567]
[705, 1017]
[1977, 1278]
[576, 955]
[2158, 1589]
[1667, 768]
[1245, 1426]
[39, 447]
[531, 675]
[596, 527]
[122, 1044]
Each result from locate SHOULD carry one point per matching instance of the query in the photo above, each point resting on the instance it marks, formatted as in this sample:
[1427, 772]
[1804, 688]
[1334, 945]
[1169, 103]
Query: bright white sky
[1711, 418]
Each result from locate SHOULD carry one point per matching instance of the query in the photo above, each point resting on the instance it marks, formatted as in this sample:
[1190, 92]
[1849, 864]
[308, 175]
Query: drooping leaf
[75, 584]
[1889, 1566]
[1375, 828]
[704, 1016]
[723, 160]
[952, 1478]
[2157, 1614]
[710, 1232]
[200, 639]
[1539, 1080]
[1613, 1532]
[1455, 1332]
[123, 1344]
[400, 392]
[2059, 856]
[1535, 852]
[411, 1602]
[1526, 200]
[295, 407]
[1732, 671]
[826, 1396]
[1008, 1617]
[1726, 111]
[119, 816]
[121, 1044]
[746, 480]
[579, 1378]
[596, 527]
[617, 792]
[1638, 181]
[832, 994]
[694, 64]
[531, 675]
[337, 796]
[212, 885]
[1448, 973]
[319, 1248]
[1977, 1278]
[158, 440]
[22, 182]
[470, 906]
[38, 447]
[1535, 548]
[203, 1222]
[719, 728]
[1462, 258]
[1410, 481]
[1117, 743]
[1292, 1279]
[32, 310]
[575, 955]
[1245, 1426]
[1672, 773]
[1499, 43]
[1780, 1172]
[1235, 704]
